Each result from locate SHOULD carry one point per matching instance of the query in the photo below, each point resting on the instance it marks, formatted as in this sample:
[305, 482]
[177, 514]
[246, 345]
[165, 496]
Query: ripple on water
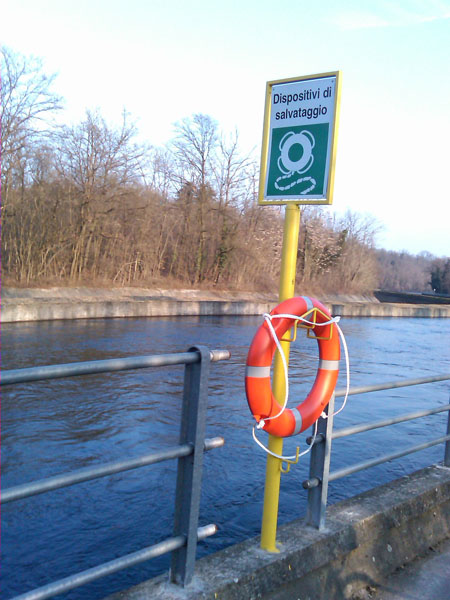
[61, 425]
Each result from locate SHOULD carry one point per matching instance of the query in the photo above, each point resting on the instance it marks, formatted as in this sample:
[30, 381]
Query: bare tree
[161, 172]
[100, 165]
[402, 271]
[440, 275]
[27, 102]
[337, 254]
[194, 146]
[233, 185]
[194, 149]
[357, 269]
[320, 245]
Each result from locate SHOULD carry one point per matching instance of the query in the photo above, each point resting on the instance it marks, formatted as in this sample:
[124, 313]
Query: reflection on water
[55, 426]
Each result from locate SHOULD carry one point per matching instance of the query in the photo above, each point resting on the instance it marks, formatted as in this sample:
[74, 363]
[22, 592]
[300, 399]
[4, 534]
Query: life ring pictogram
[261, 401]
[303, 139]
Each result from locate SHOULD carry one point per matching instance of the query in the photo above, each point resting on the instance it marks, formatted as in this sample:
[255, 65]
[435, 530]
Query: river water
[52, 427]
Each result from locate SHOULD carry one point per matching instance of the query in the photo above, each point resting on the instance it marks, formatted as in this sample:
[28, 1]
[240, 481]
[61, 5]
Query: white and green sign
[299, 141]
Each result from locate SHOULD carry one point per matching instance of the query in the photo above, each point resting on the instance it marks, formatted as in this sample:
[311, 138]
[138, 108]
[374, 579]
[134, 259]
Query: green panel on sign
[297, 162]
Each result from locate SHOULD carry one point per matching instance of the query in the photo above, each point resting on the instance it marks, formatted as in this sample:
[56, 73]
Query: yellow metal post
[273, 471]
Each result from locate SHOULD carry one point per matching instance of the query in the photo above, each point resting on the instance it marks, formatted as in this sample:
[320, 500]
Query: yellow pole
[273, 471]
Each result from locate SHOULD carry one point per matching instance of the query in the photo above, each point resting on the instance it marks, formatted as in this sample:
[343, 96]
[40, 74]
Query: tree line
[90, 204]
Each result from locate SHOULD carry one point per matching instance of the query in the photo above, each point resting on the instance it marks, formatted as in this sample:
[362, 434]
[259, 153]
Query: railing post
[187, 495]
[319, 469]
[447, 444]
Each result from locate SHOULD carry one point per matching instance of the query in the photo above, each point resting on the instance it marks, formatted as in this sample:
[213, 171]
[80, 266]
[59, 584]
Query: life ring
[261, 401]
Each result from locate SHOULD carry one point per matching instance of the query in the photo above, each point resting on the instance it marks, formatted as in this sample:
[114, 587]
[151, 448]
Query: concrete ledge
[49, 311]
[367, 538]
[29, 304]
[39, 311]
[94, 303]
[361, 309]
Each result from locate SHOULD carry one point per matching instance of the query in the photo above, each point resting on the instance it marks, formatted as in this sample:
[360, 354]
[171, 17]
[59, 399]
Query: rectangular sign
[299, 140]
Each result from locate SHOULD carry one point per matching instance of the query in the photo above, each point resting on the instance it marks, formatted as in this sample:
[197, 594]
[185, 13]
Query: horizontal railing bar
[84, 577]
[96, 366]
[391, 385]
[346, 431]
[105, 366]
[142, 362]
[382, 459]
[66, 479]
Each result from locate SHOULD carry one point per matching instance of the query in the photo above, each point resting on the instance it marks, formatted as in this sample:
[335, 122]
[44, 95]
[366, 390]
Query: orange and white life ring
[262, 403]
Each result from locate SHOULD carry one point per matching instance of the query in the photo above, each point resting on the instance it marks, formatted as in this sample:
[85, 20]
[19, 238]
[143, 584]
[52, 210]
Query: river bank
[26, 304]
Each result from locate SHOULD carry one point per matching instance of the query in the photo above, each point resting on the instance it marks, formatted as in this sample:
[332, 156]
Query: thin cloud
[392, 15]
[359, 20]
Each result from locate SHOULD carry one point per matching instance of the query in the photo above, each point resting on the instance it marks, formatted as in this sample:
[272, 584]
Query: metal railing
[319, 471]
[189, 452]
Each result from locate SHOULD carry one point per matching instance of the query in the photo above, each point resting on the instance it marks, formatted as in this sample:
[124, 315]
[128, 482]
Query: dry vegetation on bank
[89, 205]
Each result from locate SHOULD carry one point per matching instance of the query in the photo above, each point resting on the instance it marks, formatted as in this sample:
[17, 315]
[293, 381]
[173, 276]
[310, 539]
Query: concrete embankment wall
[366, 539]
[375, 309]
[83, 303]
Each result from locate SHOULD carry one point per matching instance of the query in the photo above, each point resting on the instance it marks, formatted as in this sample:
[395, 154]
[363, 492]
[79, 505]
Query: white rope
[295, 457]
[347, 372]
[268, 319]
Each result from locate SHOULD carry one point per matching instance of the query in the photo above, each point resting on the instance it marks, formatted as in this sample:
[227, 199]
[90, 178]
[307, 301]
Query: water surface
[51, 427]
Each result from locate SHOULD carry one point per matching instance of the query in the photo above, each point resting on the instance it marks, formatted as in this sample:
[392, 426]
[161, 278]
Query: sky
[163, 60]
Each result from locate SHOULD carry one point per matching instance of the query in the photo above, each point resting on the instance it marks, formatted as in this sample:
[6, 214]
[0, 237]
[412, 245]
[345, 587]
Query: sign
[299, 140]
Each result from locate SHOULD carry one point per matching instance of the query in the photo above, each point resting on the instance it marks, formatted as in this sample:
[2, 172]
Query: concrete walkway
[367, 538]
[424, 579]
